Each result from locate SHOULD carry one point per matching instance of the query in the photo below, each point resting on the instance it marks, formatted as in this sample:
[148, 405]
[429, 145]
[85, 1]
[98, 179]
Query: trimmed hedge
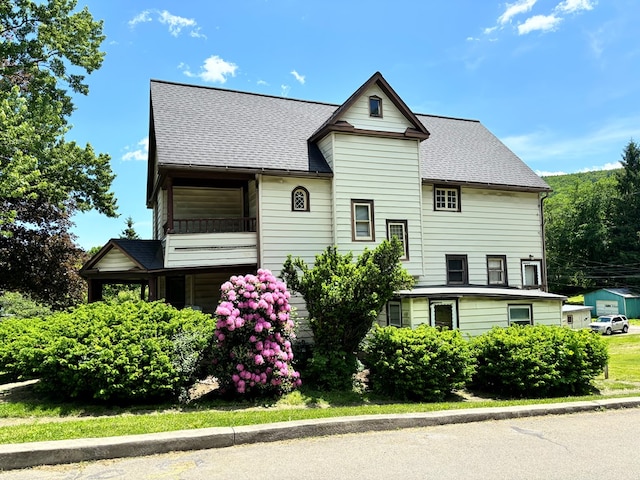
[131, 351]
[537, 361]
[424, 364]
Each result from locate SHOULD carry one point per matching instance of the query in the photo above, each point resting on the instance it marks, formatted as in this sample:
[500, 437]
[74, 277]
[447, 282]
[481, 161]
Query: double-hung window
[497, 269]
[520, 315]
[398, 229]
[362, 220]
[457, 271]
[447, 199]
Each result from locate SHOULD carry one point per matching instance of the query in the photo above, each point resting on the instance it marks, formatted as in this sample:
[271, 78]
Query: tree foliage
[343, 299]
[592, 227]
[46, 49]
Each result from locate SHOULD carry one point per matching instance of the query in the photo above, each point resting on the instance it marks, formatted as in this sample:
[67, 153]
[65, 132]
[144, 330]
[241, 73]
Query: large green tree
[46, 49]
[344, 297]
[627, 216]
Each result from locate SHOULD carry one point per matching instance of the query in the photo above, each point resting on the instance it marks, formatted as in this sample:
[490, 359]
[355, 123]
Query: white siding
[392, 119]
[115, 261]
[326, 147]
[282, 231]
[491, 223]
[160, 214]
[386, 171]
[478, 315]
[210, 249]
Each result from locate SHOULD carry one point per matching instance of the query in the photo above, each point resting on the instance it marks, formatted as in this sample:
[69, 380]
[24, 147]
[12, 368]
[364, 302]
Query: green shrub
[423, 364]
[14, 304]
[131, 351]
[537, 361]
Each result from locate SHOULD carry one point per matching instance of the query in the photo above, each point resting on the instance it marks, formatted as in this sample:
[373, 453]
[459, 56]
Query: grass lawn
[25, 417]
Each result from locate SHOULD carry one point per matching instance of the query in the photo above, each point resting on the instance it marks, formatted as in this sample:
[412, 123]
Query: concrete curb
[25, 455]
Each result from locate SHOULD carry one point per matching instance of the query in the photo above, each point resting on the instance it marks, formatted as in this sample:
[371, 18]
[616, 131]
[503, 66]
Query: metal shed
[613, 300]
[576, 316]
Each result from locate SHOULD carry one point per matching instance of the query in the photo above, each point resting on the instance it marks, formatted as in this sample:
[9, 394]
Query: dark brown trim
[488, 186]
[307, 200]
[372, 224]
[504, 271]
[408, 134]
[447, 187]
[465, 269]
[376, 79]
[405, 241]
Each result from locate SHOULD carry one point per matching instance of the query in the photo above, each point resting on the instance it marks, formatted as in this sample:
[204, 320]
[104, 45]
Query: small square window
[375, 106]
[398, 228]
[362, 220]
[447, 199]
[457, 272]
[520, 315]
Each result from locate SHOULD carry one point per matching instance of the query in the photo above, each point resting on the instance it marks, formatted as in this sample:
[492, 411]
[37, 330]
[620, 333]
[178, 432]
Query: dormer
[374, 110]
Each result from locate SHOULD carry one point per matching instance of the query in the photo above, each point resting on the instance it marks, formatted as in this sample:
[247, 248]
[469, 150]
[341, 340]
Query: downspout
[543, 197]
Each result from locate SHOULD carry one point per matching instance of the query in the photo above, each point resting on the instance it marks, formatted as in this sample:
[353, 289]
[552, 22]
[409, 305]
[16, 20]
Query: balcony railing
[212, 225]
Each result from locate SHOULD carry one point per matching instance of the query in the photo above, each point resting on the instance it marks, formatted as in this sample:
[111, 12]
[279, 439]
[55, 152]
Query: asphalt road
[597, 445]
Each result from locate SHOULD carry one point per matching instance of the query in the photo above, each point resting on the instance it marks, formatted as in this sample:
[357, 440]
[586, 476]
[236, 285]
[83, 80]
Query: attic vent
[375, 106]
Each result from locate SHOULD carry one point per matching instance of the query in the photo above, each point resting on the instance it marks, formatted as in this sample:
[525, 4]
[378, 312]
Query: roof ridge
[255, 94]
[446, 117]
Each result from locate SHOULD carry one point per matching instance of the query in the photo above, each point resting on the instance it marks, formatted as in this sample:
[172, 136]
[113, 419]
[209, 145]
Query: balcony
[212, 225]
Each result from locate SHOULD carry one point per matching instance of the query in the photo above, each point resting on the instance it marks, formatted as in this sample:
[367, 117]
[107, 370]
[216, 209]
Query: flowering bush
[254, 332]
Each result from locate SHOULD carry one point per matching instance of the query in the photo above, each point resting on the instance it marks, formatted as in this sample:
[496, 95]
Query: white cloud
[284, 90]
[214, 70]
[262, 82]
[539, 22]
[139, 153]
[513, 9]
[175, 23]
[142, 17]
[571, 6]
[602, 146]
[298, 77]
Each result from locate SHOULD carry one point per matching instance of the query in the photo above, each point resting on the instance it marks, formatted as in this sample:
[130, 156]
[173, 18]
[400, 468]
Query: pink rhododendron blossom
[253, 326]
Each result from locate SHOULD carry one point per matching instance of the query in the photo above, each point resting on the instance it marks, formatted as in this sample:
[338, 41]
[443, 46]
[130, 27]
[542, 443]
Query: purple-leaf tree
[254, 330]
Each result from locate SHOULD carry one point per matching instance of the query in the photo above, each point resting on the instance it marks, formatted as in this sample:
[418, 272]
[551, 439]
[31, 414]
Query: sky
[558, 81]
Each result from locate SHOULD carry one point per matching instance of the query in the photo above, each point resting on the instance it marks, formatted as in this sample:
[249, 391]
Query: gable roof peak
[418, 130]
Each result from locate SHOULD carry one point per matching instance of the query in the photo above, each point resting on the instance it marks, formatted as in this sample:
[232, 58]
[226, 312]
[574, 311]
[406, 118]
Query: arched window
[300, 199]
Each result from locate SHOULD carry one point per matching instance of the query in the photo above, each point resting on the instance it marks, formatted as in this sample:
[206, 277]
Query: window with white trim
[362, 220]
[300, 199]
[531, 273]
[520, 314]
[457, 271]
[394, 313]
[496, 270]
[447, 199]
[398, 229]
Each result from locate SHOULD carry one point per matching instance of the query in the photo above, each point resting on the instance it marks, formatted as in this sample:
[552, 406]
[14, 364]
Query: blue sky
[558, 81]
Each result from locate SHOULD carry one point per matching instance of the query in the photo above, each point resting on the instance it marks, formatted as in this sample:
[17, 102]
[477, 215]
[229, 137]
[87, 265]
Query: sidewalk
[15, 456]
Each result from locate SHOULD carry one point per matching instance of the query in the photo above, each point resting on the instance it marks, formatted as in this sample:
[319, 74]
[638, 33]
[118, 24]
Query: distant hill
[563, 182]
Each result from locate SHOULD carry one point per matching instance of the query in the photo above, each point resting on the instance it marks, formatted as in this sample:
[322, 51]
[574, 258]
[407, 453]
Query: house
[576, 316]
[607, 301]
[237, 181]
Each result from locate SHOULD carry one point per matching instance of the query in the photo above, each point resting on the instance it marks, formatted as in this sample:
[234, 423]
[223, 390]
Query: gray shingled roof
[216, 128]
[147, 253]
